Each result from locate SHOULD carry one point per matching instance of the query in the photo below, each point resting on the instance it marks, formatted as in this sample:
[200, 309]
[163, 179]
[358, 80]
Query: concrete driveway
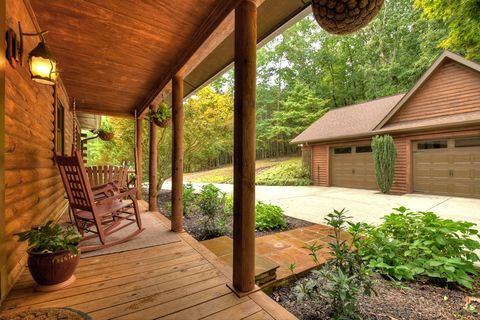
[313, 203]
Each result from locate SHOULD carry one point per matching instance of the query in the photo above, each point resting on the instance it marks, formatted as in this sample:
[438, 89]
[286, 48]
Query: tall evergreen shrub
[384, 156]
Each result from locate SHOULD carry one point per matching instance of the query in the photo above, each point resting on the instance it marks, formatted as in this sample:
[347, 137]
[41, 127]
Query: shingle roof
[350, 121]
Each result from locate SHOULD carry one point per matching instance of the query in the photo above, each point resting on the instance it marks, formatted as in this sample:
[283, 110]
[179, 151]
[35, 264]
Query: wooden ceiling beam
[106, 113]
[218, 15]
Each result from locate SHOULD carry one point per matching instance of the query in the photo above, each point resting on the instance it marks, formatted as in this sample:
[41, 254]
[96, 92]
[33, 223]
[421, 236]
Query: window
[363, 149]
[59, 128]
[467, 142]
[342, 150]
[433, 144]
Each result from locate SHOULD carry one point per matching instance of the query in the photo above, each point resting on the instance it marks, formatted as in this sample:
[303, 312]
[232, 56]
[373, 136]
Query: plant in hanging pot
[162, 117]
[53, 255]
[106, 132]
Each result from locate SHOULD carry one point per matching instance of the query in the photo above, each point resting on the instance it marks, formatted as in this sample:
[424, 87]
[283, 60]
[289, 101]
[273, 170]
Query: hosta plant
[269, 217]
[412, 245]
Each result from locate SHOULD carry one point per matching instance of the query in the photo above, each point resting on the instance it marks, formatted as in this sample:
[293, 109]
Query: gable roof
[350, 121]
[366, 119]
[445, 56]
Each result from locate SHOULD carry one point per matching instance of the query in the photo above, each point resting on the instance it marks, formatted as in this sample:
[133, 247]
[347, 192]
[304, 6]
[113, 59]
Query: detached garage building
[436, 128]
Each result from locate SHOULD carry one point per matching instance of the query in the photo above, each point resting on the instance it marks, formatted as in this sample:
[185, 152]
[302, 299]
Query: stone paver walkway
[280, 250]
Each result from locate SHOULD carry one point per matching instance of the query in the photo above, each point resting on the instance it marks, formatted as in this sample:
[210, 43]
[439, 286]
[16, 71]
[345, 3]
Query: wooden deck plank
[181, 280]
[110, 280]
[238, 311]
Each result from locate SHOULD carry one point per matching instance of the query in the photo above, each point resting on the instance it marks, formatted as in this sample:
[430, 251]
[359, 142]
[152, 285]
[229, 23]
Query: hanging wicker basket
[162, 123]
[345, 16]
[106, 136]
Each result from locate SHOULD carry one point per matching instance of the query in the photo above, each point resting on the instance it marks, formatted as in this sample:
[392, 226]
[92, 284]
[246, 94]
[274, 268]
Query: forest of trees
[305, 72]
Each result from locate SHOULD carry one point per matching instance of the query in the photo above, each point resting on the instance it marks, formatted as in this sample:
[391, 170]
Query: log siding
[33, 189]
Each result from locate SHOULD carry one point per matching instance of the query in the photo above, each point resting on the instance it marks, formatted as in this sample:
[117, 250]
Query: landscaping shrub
[188, 200]
[420, 245]
[289, 173]
[211, 204]
[384, 156]
[269, 217]
[343, 279]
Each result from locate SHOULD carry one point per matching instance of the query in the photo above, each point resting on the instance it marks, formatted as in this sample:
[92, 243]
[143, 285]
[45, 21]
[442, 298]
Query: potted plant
[162, 117]
[106, 131]
[53, 255]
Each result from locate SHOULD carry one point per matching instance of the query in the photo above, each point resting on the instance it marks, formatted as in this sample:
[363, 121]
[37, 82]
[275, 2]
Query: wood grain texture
[118, 55]
[451, 89]
[171, 281]
[177, 154]
[33, 193]
[152, 163]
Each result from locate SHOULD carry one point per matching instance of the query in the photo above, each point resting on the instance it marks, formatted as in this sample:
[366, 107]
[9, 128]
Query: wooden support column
[153, 162]
[177, 154]
[244, 147]
[138, 155]
[3, 65]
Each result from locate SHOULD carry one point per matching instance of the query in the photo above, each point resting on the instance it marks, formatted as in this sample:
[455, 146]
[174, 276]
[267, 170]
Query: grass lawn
[279, 171]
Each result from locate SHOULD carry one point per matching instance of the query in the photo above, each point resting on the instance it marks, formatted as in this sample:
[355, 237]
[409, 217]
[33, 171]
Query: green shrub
[344, 278]
[229, 205]
[188, 199]
[289, 173]
[269, 217]
[384, 156]
[415, 245]
[211, 204]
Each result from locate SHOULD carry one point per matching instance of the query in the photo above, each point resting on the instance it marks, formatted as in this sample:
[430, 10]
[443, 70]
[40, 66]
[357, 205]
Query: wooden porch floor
[181, 280]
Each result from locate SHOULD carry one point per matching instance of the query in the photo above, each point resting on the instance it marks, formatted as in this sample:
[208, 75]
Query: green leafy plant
[313, 249]
[269, 217]
[289, 173]
[188, 200]
[51, 238]
[106, 126]
[341, 280]
[211, 203]
[420, 245]
[384, 156]
[164, 112]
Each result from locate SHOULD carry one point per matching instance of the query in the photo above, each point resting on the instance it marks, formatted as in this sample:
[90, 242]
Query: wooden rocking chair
[106, 208]
[103, 175]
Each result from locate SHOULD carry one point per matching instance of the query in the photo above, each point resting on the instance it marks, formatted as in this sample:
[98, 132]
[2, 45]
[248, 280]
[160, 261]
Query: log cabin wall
[33, 188]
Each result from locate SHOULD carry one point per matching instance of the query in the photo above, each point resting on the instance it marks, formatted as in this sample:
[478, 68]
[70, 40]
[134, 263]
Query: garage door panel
[352, 170]
[449, 171]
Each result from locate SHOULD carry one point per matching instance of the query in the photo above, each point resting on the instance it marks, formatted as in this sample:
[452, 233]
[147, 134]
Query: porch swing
[101, 198]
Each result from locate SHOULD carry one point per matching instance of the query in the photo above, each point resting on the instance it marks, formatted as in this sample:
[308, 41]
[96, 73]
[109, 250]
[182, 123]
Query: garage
[352, 167]
[447, 167]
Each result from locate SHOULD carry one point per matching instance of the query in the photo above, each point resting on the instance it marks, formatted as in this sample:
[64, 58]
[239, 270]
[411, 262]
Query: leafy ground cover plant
[420, 245]
[211, 204]
[290, 173]
[188, 200]
[269, 217]
[51, 238]
[343, 279]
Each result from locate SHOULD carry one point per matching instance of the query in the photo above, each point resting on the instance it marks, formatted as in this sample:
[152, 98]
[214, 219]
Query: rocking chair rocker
[107, 208]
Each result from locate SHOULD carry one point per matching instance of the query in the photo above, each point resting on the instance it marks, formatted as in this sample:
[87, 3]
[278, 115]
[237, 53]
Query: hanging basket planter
[162, 123]
[345, 16]
[106, 136]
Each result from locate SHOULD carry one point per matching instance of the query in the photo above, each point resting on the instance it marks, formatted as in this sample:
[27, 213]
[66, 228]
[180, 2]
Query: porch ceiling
[118, 56]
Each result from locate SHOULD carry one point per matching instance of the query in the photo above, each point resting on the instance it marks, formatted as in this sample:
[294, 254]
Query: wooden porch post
[244, 147]
[139, 137]
[153, 162]
[177, 154]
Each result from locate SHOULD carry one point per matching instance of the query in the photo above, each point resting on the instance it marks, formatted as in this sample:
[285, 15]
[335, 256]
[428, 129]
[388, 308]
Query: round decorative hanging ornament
[345, 16]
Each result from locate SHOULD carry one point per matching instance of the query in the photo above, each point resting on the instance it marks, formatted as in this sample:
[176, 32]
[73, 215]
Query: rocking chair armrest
[121, 195]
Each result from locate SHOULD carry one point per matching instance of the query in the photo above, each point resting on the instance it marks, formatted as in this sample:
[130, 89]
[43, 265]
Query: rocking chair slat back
[99, 175]
[78, 188]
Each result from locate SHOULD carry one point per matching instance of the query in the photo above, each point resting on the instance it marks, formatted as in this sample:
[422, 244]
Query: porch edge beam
[244, 147]
[153, 161]
[178, 117]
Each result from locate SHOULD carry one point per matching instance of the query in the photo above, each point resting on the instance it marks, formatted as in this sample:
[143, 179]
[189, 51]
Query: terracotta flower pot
[345, 16]
[162, 123]
[52, 269]
[106, 136]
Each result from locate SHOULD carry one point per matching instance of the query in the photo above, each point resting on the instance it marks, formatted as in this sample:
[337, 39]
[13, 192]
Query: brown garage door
[447, 167]
[352, 167]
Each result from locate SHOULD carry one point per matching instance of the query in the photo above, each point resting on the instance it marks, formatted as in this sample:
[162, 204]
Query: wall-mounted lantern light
[41, 63]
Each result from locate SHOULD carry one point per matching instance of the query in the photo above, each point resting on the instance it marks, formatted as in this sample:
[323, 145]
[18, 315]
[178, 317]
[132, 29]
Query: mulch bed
[193, 224]
[411, 301]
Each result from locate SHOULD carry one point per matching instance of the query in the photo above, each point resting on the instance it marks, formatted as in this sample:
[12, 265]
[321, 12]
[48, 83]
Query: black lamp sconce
[42, 64]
